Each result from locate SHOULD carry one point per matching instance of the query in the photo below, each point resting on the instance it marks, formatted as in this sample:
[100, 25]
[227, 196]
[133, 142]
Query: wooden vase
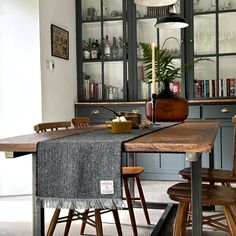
[169, 107]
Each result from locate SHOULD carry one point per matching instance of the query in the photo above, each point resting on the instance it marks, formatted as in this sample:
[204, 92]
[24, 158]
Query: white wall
[59, 86]
[26, 97]
[20, 86]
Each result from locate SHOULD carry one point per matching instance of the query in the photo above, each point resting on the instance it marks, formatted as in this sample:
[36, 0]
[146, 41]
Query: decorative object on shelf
[172, 21]
[165, 106]
[59, 42]
[155, 3]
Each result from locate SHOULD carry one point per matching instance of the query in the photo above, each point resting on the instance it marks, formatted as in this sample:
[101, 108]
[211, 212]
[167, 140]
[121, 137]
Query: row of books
[146, 89]
[210, 88]
[94, 90]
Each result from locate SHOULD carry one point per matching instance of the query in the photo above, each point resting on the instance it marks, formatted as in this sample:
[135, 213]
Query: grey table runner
[83, 171]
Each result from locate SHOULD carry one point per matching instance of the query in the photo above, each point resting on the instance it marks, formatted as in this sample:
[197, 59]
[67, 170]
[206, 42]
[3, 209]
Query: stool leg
[85, 215]
[230, 214]
[180, 219]
[53, 222]
[117, 221]
[144, 205]
[98, 223]
[68, 222]
[130, 206]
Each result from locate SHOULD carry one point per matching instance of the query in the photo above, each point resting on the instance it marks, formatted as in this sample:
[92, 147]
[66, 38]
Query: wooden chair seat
[211, 175]
[211, 194]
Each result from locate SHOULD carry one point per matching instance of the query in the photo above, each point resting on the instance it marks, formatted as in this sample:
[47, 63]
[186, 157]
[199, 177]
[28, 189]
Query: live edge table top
[189, 136]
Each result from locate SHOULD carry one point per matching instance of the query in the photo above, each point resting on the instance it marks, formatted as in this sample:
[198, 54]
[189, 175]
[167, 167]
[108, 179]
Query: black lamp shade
[172, 21]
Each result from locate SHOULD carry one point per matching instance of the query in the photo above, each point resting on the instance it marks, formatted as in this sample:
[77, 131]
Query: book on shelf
[208, 88]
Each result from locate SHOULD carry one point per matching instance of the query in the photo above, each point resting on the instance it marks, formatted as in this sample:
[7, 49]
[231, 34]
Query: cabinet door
[227, 145]
[214, 39]
[146, 18]
[102, 64]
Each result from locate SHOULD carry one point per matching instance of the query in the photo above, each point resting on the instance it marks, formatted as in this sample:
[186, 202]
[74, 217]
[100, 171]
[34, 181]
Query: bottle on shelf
[98, 47]
[107, 48]
[94, 52]
[86, 52]
[114, 49]
[120, 48]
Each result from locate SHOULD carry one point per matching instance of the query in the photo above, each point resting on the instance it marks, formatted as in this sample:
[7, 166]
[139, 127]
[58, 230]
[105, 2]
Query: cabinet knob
[225, 110]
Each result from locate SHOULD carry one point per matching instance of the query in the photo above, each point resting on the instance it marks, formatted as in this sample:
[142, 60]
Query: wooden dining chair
[72, 213]
[127, 173]
[44, 127]
[212, 175]
[211, 195]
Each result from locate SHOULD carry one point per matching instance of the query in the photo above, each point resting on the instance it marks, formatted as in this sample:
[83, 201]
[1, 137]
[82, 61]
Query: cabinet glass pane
[144, 88]
[227, 5]
[112, 9]
[205, 84]
[227, 35]
[92, 77]
[113, 80]
[91, 30]
[227, 75]
[170, 40]
[204, 5]
[91, 10]
[146, 32]
[205, 40]
[113, 31]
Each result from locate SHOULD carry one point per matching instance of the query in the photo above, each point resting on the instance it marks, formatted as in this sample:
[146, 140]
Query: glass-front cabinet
[214, 38]
[110, 60]
[101, 33]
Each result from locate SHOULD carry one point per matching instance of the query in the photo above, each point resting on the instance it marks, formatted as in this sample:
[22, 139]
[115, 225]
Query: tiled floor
[15, 215]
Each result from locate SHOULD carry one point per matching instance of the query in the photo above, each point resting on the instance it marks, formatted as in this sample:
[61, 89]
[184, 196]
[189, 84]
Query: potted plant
[169, 107]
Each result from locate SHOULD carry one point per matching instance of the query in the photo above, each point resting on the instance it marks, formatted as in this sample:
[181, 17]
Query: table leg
[38, 212]
[196, 185]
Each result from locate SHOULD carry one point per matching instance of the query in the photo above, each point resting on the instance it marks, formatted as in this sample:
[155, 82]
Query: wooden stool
[86, 218]
[134, 172]
[211, 195]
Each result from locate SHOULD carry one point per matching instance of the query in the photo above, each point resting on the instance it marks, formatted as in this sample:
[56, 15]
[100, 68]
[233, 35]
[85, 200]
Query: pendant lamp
[155, 3]
[172, 21]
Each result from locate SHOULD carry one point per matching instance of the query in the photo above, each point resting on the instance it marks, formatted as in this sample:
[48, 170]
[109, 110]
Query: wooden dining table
[190, 137]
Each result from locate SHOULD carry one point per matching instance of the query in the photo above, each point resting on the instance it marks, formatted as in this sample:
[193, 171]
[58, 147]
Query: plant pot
[168, 107]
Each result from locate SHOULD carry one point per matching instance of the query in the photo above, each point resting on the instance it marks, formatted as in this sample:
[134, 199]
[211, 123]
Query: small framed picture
[59, 42]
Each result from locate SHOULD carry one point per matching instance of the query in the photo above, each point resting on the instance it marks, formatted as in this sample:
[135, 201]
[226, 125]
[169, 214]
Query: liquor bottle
[94, 53]
[86, 52]
[114, 49]
[107, 48]
[120, 48]
[90, 46]
[98, 47]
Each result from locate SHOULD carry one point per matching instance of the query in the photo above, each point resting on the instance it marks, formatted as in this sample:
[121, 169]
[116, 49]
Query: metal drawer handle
[225, 110]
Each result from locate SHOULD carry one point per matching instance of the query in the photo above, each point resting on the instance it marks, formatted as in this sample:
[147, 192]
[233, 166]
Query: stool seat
[131, 171]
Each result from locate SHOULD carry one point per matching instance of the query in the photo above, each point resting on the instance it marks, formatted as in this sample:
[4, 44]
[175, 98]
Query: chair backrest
[234, 147]
[80, 122]
[44, 127]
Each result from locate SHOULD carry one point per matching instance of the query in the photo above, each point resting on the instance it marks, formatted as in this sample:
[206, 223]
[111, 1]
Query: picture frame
[59, 42]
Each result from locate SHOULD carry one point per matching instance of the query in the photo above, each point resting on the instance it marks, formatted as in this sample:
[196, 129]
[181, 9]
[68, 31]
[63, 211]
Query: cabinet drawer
[219, 111]
[194, 112]
[96, 119]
